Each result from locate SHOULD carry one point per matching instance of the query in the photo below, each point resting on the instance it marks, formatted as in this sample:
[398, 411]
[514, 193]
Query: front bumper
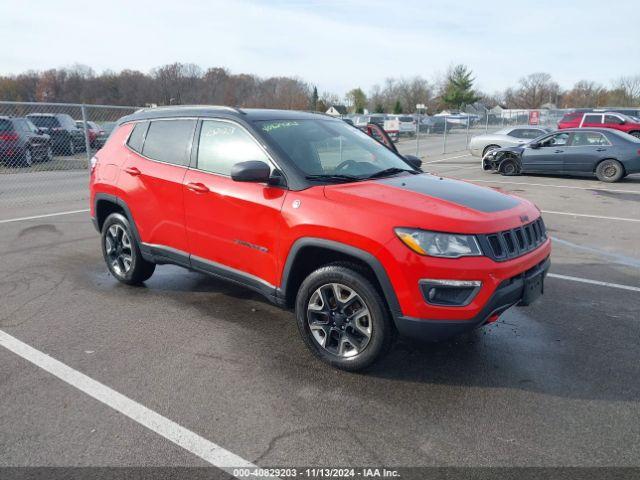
[510, 292]
[489, 163]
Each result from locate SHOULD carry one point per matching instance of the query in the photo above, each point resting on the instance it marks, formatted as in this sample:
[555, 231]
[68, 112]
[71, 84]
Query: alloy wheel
[509, 168]
[118, 249]
[610, 171]
[339, 320]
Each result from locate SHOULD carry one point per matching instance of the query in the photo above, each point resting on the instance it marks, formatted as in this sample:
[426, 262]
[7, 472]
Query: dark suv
[66, 137]
[316, 216]
[21, 143]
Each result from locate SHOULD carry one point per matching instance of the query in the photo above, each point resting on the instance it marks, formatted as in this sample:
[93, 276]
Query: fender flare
[106, 197]
[362, 255]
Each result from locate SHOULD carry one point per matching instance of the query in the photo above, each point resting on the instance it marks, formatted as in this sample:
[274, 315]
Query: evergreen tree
[313, 102]
[458, 89]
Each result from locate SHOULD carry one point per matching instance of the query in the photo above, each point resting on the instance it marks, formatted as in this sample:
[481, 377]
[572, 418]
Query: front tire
[609, 171]
[635, 133]
[342, 318]
[122, 253]
[509, 167]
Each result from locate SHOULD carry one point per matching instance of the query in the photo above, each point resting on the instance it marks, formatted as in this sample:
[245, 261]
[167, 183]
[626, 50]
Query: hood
[517, 149]
[431, 202]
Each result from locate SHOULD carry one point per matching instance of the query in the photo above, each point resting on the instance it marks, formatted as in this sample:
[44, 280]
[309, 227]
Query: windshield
[326, 147]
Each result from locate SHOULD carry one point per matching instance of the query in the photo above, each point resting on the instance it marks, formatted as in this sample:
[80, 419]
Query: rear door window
[585, 139]
[169, 141]
[592, 120]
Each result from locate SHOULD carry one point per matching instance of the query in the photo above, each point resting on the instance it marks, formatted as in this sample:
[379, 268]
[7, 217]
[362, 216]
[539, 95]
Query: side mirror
[413, 161]
[252, 171]
[534, 145]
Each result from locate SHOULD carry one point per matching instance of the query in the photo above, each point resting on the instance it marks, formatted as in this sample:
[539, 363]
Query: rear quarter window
[136, 139]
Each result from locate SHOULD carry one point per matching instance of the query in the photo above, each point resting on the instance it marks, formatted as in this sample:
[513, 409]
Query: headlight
[436, 244]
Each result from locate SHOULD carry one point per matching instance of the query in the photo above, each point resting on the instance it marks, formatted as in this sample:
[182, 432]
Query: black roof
[249, 114]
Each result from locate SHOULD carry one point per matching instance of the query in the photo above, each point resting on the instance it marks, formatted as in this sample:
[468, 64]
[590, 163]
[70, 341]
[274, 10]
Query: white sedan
[512, 136]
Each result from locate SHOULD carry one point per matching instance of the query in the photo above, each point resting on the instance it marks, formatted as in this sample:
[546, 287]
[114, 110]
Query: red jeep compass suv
[318, 216]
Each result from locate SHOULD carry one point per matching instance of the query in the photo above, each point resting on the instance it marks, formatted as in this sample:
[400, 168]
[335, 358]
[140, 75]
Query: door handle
[558, 151]
[197, 187]
[133, 171]
[601, 149]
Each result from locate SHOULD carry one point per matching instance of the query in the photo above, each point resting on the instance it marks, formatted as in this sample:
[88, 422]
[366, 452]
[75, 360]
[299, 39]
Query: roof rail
[168, 107]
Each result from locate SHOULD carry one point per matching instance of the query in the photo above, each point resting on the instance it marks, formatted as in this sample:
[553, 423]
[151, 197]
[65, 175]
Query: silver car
[512, 136]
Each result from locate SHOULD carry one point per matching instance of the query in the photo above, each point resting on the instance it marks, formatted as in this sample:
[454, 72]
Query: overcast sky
[334, 44]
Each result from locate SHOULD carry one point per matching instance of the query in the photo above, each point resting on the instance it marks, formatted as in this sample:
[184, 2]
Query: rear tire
[509, 167]
[609, 171]
[357, 330]
[121, 251]
[635, 133]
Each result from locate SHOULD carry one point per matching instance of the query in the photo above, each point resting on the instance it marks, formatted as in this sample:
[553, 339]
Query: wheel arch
[485, 150]
[307, 254]
[106, 204]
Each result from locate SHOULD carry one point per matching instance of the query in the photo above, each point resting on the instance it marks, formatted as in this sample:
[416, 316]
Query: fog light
[452, 293]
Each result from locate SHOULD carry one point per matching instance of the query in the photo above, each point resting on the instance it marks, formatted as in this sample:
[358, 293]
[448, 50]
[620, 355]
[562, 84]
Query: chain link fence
[45, 150]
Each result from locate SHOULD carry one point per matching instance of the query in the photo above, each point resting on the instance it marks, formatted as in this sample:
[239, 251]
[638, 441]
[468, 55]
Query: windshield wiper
[390, 171]
[333, 178]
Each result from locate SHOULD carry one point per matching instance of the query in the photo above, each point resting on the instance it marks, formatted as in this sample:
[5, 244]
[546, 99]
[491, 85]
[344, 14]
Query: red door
[231, 226]
[153, 188]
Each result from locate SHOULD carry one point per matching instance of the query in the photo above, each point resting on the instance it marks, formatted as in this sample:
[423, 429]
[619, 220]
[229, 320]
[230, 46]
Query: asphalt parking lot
[554, 384]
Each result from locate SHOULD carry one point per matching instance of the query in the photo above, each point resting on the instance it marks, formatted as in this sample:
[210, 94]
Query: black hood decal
[478, 198]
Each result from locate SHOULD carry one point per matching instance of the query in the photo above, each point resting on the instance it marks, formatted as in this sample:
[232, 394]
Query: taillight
[9, 137]
[94, 161]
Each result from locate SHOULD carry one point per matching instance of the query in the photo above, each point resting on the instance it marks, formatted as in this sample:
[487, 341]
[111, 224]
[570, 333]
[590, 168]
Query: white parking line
[448, 158]
[192, 442]
[34, 217]
[616, 257]
[594, 282]
[571, 214]
[637, 192]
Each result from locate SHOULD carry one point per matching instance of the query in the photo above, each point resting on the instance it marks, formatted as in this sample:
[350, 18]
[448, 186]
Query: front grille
[513, 243]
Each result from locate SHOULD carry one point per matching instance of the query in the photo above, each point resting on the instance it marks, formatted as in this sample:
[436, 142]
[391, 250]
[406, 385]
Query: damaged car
[608, 154]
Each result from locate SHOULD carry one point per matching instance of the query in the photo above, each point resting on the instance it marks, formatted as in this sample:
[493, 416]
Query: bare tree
[585, 94]
[533, 91]
[626, 91]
